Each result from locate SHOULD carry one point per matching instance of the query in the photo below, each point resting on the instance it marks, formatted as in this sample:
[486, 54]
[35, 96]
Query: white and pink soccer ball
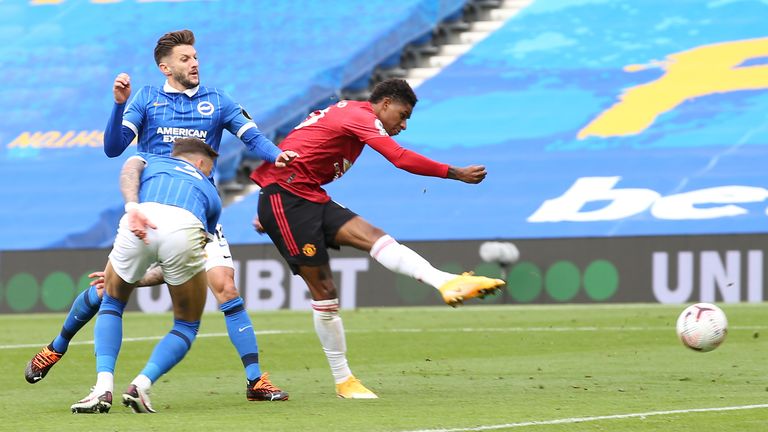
[702, 327]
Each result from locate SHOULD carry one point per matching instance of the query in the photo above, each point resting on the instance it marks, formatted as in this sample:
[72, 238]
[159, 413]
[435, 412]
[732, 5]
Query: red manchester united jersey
[328, 143]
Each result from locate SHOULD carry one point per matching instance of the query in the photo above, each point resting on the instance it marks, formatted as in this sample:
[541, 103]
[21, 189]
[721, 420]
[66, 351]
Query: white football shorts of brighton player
[177, 244]
[217, 251]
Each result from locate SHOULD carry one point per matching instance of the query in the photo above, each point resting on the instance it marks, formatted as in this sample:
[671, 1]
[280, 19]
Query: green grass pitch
[529, 368]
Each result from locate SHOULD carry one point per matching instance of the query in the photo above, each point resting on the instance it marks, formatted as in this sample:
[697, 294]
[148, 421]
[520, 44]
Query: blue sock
[171, 349]
[108, 333]
[83, 309]
[241, 334]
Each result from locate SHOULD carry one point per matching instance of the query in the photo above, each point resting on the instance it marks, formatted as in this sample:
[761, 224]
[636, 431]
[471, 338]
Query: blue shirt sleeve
[239, 123]
[117, 137]
[136, 112]
[262, 146]
[124, 124]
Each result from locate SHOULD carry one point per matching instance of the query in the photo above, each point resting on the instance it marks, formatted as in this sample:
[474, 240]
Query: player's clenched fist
[122, 88]
[471, 174]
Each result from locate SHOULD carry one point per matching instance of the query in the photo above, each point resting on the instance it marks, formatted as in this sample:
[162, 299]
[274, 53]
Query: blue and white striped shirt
[176, 182]
[157, 116]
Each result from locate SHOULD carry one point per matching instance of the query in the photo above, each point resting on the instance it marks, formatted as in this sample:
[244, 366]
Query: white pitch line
[151, 338]
[551, 329]
[594, 419]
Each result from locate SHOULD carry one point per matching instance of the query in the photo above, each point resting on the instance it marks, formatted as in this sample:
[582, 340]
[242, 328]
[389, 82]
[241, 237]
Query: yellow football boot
[352, 388]
[468, 286]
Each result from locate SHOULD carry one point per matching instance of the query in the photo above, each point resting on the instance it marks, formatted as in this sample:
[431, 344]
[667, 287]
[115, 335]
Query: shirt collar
[189, 92]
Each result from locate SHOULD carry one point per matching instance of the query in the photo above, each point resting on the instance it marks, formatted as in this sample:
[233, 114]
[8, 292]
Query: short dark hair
[193, 146]
[395, 88]
[170, 40]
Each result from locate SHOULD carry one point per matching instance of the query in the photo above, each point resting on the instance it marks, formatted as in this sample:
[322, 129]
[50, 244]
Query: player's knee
[323, 291]
[319, 280]
[372, 236]
[376, 233]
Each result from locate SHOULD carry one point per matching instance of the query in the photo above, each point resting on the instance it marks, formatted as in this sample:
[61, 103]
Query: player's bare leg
[400, 259]
[330, 330]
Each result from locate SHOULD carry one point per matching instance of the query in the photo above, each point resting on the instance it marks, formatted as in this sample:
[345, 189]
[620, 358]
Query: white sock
[105, 382]
[403, 260]
[330, 330]
[142, 382]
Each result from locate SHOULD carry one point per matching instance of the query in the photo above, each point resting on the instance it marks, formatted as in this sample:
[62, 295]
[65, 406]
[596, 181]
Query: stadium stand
[58, 61]
[552, 108]
[589, 127]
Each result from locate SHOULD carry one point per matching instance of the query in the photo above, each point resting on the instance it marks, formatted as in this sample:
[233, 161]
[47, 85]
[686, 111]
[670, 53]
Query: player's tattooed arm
[153, 276]
[130, 178]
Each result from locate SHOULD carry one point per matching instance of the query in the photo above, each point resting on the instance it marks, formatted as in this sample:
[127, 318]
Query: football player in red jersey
[303, 222]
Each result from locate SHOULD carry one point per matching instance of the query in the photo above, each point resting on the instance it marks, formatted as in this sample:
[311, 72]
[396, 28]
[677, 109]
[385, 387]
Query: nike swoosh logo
[242, 328]
[227, 256]
[37, 378]
[157, 104]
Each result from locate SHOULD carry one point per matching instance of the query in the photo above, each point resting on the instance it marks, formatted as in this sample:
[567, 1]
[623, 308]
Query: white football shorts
[177, 244]
[217, 251]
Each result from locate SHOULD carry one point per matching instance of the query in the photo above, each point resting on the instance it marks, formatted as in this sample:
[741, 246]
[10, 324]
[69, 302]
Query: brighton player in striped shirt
[156, 117]
[303, 222]
[184, 207]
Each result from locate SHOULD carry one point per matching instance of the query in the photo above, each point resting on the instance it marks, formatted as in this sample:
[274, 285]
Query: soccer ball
[702, 327]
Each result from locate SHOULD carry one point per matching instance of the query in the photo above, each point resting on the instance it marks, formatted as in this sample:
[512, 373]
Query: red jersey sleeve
[406, 159]
[370, 131]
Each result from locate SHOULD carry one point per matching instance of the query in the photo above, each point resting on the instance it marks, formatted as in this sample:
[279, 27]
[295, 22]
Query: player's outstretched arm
[471, 174]
[405, 159]
[260, 145]
[239, 123]
[285, 158]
